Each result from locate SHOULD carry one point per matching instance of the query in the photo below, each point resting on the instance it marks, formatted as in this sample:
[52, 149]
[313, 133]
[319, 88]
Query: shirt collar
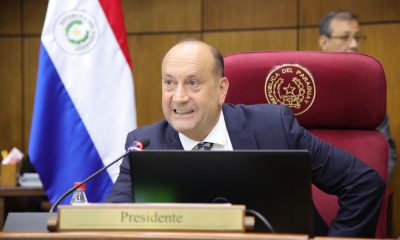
[218, 135]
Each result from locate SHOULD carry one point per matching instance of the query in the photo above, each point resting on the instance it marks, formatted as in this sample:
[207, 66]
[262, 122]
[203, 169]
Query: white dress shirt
[218, 136]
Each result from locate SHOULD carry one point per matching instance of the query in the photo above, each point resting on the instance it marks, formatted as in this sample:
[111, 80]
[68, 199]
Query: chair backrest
[339, 97]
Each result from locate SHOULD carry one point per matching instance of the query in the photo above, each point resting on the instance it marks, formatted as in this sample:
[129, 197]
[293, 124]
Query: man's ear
[323, 42]
[223, 87]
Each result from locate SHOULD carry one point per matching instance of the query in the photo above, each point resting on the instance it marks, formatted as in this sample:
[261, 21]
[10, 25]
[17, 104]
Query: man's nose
[180, 94]
[353, 45]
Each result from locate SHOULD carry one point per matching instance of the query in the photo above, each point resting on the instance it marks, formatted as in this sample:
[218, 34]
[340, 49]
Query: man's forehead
[183, 67]
[344, 25]
[184, 63]
[197, 58]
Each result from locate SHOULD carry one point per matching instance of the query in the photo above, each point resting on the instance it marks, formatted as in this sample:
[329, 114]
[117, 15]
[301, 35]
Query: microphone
[138, 145]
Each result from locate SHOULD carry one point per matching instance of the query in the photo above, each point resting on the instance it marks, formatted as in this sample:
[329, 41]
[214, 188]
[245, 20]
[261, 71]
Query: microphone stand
[90, 177]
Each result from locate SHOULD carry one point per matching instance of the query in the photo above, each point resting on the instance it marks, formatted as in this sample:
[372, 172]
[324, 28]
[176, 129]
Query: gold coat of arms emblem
[292, 85]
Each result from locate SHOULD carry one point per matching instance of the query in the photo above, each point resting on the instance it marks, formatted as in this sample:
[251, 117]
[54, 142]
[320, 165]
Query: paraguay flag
[84, 103]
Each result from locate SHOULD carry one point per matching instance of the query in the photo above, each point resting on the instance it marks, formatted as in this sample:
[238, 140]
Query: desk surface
[6, 192]
[153, 235]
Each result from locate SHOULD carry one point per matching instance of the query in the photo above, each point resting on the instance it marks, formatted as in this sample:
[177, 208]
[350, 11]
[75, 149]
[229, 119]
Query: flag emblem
[76, 32]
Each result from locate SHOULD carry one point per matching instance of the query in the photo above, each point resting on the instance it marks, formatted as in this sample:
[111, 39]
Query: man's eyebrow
[188, 77]
[192, 76]
[346, 31]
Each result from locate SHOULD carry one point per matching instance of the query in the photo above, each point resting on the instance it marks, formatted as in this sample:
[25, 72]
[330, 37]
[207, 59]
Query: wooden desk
[342, 238]
[153, 235]
[17, 192]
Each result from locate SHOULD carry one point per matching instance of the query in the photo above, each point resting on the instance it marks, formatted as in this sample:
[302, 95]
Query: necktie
[203, 146]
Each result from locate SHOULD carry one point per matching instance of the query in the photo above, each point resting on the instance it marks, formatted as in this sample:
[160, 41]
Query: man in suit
[340, 32]
[193, 94]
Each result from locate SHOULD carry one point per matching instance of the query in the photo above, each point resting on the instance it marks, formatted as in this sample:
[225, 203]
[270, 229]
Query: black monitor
[276, 183]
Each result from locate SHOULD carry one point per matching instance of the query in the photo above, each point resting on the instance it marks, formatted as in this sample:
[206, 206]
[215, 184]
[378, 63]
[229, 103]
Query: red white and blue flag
[84, 103]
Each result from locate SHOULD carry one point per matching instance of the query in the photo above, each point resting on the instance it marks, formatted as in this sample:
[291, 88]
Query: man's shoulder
[154, 129]
[254, 109]
[253, 116]
[160, 134]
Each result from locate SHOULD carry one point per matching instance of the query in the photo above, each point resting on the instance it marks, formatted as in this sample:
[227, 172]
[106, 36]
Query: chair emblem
[292, 85]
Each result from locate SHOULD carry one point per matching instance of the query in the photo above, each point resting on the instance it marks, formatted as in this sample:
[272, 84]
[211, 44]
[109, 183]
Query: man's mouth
[183, 112]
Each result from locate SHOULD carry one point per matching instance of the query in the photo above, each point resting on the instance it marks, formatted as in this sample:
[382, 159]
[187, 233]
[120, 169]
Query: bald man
[193, 93]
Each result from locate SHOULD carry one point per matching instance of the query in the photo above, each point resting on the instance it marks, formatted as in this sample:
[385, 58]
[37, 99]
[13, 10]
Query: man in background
[340, 32]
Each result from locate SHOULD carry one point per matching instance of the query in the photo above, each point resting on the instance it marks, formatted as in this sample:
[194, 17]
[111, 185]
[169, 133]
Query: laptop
[275, 183]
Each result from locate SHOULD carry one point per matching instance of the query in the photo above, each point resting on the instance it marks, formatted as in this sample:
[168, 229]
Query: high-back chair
[339, 97]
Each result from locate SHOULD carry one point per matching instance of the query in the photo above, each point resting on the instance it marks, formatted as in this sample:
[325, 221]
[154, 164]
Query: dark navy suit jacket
[360, 189]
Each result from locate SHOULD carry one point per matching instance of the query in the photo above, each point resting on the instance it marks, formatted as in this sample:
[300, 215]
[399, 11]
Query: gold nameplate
[187, 217]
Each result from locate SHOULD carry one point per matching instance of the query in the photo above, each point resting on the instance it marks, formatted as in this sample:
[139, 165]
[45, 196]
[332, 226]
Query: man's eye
[168, 82]
[344, 38]
[194, 82]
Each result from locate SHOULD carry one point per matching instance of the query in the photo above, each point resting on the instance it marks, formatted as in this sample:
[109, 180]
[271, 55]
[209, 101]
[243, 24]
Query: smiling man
[193, 90]
[196, 118]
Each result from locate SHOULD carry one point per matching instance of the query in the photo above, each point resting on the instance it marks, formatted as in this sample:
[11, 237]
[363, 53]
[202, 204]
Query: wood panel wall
[231, 25]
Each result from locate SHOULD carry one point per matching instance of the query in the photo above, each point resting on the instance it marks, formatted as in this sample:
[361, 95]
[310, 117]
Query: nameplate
[187, 217]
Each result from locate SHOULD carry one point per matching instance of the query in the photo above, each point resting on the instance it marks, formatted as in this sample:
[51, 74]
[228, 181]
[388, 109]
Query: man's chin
[191, 131]
[187, 133]
[182, 128]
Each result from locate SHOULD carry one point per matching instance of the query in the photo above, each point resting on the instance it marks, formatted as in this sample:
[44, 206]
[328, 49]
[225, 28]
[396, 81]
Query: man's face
[345, 37]
[192, 91]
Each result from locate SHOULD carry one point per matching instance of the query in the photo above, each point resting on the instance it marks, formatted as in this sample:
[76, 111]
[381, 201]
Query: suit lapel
[240, 136]
[173, 141]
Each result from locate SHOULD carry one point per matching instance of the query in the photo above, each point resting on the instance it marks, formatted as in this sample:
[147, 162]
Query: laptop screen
[275, 183]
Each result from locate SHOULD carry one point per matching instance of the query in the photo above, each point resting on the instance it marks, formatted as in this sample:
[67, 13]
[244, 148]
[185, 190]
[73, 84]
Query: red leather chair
[340, 97]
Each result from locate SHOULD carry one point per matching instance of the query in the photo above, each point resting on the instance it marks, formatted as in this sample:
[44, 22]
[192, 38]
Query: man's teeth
[183, 111]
